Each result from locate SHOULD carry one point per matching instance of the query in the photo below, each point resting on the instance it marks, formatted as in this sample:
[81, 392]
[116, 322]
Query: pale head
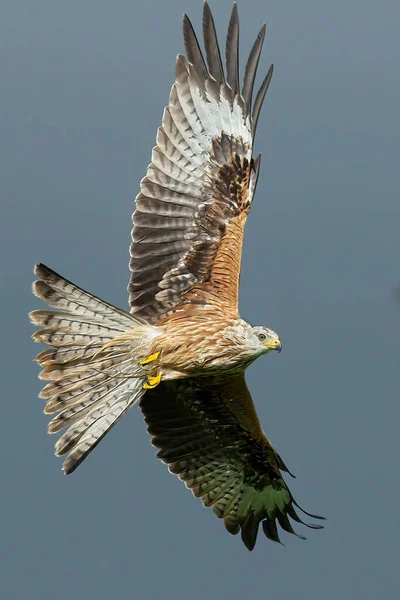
[250, 342]
[263, 340]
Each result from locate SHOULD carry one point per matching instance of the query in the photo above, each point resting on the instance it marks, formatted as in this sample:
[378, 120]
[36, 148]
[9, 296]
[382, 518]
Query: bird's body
[207, 344]
[183, 349]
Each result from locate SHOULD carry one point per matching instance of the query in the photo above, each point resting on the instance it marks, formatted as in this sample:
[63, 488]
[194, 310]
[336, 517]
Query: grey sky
[83, 88]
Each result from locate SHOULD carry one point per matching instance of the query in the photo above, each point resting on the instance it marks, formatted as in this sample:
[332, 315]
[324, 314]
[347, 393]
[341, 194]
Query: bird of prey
[182, 350]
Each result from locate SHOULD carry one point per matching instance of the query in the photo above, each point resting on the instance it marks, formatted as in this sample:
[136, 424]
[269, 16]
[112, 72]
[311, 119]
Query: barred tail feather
[84, 435]
[94, 380]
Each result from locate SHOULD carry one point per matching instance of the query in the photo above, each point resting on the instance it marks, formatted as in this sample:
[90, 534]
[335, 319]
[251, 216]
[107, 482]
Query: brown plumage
[182, 351]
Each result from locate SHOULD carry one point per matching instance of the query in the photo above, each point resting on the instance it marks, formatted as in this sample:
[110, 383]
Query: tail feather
[73, 383]
[80, 365]
[63, 294]
[59, 356]
[81, 404]
[94, 378]
[80, 439]
[62, 399]
[60, 338]
[76, 323]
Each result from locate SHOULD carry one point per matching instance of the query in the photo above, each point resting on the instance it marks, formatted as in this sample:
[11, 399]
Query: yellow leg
[153, 382]
[150, 359]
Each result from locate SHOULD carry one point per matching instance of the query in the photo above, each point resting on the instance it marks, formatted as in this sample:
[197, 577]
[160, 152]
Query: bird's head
[250, 342]
[263, 339]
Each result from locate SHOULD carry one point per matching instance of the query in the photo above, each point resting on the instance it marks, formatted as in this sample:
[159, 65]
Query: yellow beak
[274, 345]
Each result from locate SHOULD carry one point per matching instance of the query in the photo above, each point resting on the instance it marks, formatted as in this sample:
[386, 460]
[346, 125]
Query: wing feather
[199, 186]
[232, 52]
[193, 50]
[211, 45]
[251, 68]
[260, 99]
[207, 431]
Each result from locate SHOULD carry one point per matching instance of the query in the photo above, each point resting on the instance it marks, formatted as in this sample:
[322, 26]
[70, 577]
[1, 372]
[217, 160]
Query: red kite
[183, 349]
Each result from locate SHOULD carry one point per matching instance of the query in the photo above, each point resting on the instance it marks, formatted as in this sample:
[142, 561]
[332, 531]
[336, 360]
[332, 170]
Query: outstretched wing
[194, 200]
[208, 432]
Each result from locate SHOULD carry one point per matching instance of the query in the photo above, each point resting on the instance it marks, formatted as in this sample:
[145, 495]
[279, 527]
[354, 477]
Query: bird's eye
[262, 337]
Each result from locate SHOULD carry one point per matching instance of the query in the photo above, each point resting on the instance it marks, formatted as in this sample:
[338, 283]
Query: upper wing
[193, 204]
[209, 434]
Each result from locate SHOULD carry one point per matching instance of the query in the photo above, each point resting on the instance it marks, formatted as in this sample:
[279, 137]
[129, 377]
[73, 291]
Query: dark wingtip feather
[211, 46]
[281, 464]
[251, 68]
[307, 513]
[260, 99]
[293, 514]
[232, 51]
[286, 526]
[271, 531]
[193, 51]
[250, 530]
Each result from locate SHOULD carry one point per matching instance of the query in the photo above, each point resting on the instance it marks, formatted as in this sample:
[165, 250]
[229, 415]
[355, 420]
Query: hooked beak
[275, 345]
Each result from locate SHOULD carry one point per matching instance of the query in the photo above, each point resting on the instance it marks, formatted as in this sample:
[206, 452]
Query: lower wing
[207, 431]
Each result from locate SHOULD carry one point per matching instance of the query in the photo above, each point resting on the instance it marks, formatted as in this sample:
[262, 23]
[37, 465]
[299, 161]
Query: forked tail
[95, 379]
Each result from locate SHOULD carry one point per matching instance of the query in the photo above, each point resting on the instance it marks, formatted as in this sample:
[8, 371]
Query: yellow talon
[150, 359]
[153, 382]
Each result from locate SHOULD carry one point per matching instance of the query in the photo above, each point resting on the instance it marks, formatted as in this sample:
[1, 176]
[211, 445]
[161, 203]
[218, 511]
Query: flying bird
[182, 351]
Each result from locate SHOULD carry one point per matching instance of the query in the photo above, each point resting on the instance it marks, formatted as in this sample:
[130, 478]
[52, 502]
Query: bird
[182, 349]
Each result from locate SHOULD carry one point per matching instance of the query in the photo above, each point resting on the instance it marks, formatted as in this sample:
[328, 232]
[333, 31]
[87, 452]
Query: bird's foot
[150, 359]
[152, 382]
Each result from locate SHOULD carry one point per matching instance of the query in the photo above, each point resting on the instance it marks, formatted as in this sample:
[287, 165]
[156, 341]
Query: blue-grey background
[83, 85]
